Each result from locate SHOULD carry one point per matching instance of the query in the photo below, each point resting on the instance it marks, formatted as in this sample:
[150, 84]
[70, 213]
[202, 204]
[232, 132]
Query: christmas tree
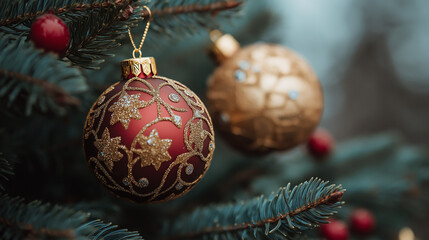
[60, 57]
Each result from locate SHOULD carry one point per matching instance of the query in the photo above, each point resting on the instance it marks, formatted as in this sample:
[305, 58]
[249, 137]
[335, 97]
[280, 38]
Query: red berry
[320, 144]
[362, 221]
[50, 33]
[336, 230]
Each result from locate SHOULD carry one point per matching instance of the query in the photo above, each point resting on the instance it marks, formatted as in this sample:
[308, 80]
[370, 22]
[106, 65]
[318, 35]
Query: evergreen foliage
[37, 220]
[32, 79]
[282, 214]
[188, 16]
[95, 26]
[6, 170]
[96, 34]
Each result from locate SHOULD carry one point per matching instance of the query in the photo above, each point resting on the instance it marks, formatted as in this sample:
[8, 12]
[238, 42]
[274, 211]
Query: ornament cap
[224, 46]
[138, 67]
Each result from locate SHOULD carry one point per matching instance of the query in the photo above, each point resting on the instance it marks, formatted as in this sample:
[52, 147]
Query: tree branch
[31, 232]
[328, 200]
[58, 94]
[100, 31]
[73, 8]
[212, 8]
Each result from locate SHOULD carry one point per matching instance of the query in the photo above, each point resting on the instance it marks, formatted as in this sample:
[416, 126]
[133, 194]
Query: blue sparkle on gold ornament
[294, 95]
[244, 65]
[240, 75]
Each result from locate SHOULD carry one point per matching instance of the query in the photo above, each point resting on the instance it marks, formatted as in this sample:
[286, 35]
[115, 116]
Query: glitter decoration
[179, 186]
[240, 75]
[153, 150]
[211, 146]
[293, 95]
[189, 169]
[197, 134]
[147, 150]
[108, 149]
[263, 108]
[197, 114]
[101, 100]
[245, 65]
[224, 117]
[177, 120]
[125, 181]
[187, 92]
[174, 97]
[143, 182]
[125, 108]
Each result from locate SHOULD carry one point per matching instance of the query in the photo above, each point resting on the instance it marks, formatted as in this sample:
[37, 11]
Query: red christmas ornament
[50, 33]
[320, 144]
[148, 138]
[335, 230]
[362, 221]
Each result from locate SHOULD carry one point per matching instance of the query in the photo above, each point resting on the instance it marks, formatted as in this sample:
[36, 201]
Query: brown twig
[212, 8]
[328, 200]
[58, 94]
[72, 8]
[31, 233]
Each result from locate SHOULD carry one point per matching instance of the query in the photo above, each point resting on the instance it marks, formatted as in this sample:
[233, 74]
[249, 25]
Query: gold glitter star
[153, 150]
[108, 149]
[197, 134]
[125, 108]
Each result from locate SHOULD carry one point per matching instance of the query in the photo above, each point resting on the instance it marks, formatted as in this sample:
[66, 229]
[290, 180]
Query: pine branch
[288, 212]
[35, 220]
[212, 8]
[13, 12]
[95, 25]
[43, 82]
[187, 16]
[99, 32]
[6, 170]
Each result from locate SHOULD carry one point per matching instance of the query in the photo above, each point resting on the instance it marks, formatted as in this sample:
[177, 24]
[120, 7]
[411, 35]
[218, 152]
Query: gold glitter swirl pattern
[149, 150]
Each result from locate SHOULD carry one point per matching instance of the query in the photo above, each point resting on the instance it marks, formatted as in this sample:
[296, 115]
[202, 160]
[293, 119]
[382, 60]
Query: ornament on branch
[50, 33]
[406, 233]
[335, 230]
[362, 221]
[263, 97]
[320, 144]
[148, 138]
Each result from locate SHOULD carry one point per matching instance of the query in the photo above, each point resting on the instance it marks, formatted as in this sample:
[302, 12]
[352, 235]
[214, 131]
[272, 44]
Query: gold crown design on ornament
[136, 66]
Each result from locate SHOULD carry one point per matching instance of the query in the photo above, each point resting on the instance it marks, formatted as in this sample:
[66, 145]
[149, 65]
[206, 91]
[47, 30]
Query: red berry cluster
[362, 222]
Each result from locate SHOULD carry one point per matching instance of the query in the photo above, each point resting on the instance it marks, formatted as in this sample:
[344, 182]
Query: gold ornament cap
[224, 46]
[133, 67]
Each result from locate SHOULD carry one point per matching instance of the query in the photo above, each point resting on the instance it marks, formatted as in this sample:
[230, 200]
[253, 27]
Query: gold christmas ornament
[263, 97]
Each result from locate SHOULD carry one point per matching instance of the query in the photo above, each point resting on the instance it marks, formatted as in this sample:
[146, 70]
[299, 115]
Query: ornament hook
[144, 34]
[139, 51]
